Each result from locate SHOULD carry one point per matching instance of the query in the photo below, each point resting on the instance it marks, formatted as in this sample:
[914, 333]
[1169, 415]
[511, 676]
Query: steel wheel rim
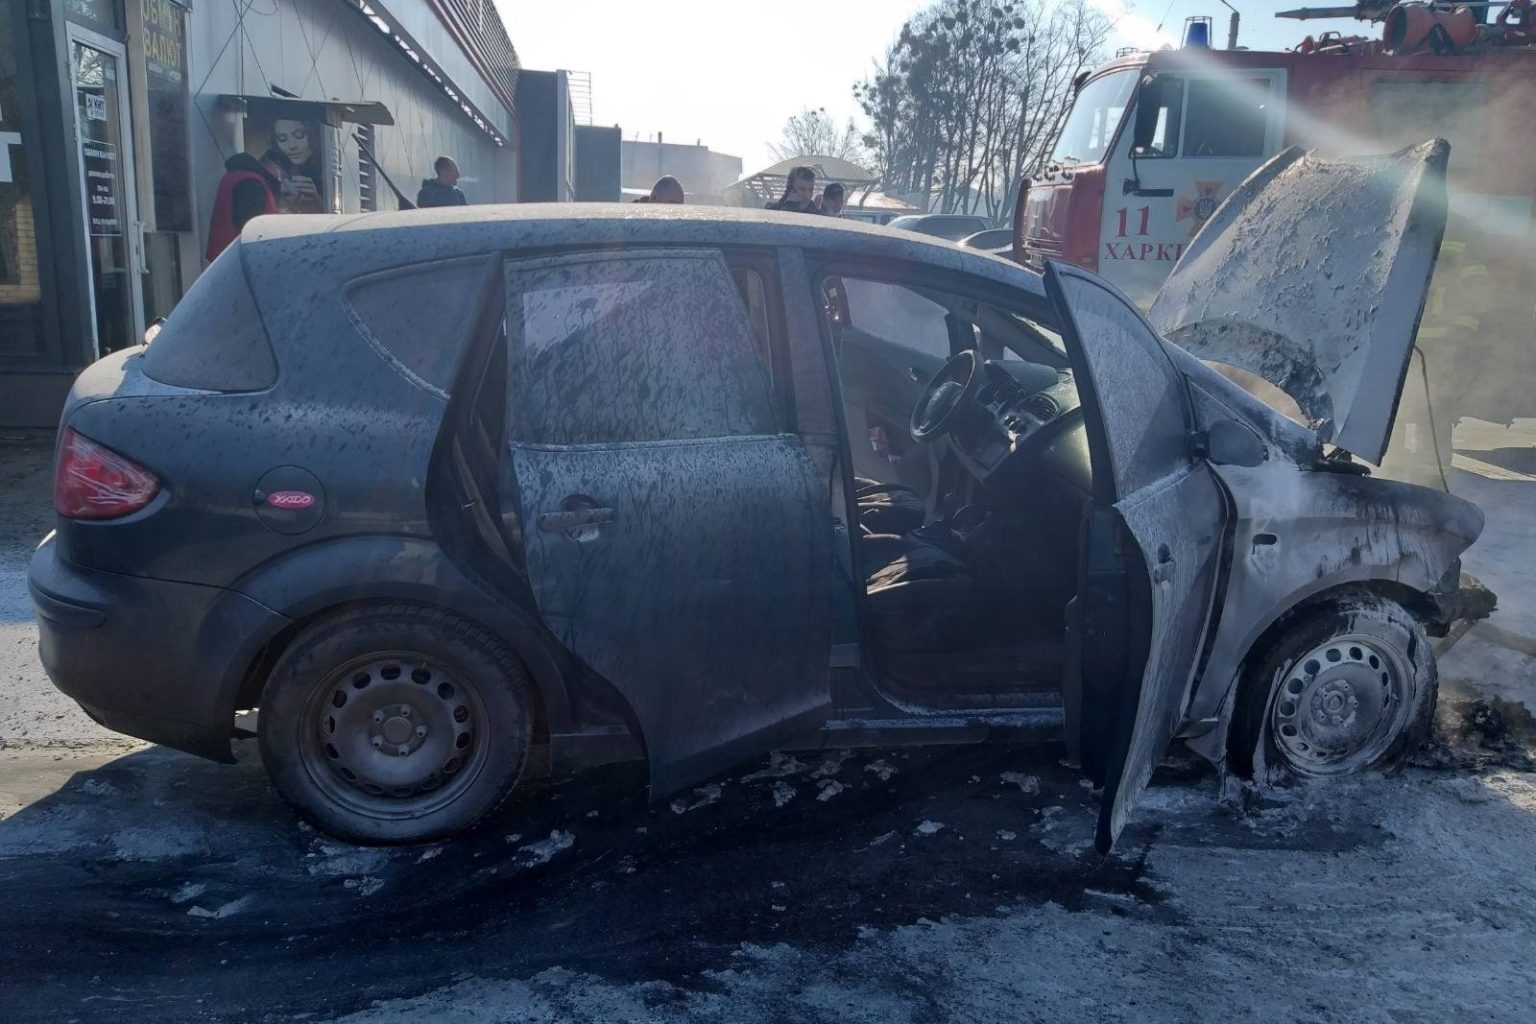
[1341, 705]
[394, 735]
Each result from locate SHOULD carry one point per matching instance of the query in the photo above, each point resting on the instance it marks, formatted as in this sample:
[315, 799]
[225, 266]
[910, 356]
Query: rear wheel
[1345, 688]
[396, 724]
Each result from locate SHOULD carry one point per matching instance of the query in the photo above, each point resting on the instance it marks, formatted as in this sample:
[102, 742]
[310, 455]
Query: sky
[729, 74]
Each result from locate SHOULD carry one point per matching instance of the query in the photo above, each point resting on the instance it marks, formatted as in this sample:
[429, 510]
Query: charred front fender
[1300, 533]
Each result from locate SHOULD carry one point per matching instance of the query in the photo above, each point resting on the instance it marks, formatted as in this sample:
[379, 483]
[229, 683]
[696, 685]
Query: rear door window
[611, 349]
[214, 339]
[416, 317]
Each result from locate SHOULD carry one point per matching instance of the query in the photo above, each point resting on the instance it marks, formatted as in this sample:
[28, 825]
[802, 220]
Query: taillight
[92, 482]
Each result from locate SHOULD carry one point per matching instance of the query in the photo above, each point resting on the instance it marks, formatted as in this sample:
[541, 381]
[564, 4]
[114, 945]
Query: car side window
[610, 349]
[754, 297]
[896, 314]
[417, 317]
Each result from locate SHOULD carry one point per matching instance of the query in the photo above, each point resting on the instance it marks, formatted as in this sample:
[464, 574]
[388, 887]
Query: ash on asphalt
[177, 886]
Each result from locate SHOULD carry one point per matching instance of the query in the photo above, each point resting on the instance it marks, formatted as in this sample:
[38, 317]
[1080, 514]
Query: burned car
[459, 497]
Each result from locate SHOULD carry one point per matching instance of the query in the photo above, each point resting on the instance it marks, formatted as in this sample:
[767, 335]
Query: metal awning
[768, 184]
[332, 112]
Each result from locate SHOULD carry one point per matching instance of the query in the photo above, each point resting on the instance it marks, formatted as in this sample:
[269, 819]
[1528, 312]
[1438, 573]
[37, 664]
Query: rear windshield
[214, 339]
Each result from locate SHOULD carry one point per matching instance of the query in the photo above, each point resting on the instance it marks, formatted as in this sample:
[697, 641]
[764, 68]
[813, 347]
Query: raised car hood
[1313, 275]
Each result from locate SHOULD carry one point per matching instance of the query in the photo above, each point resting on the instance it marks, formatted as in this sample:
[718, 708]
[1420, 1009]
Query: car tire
[396, 724]
[1347, 686]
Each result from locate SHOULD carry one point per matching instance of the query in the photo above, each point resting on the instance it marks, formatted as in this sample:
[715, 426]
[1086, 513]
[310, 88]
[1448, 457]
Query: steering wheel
[949, 391]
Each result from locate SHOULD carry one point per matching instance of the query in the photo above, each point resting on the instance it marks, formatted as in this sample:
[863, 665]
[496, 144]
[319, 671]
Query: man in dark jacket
[442, 190]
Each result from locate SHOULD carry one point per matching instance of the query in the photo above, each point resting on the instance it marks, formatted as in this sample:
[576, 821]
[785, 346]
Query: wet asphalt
[158, 887]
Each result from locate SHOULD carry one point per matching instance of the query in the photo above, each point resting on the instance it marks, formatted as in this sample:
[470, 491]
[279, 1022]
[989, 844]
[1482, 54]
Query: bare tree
[970, 95]
[814, 133]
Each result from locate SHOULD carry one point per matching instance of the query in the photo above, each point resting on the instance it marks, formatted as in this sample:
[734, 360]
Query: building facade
[128, 126]
[705, 175]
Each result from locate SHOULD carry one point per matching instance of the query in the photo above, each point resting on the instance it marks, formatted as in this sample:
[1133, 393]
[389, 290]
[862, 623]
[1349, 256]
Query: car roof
[310, 251]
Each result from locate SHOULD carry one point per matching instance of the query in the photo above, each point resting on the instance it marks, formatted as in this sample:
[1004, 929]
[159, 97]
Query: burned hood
[1313, 274]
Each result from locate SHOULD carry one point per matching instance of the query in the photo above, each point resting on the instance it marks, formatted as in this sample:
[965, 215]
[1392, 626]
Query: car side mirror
[1229, 443]
[1147, 107]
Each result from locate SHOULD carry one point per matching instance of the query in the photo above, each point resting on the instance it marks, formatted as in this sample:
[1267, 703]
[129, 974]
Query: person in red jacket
[248, 189]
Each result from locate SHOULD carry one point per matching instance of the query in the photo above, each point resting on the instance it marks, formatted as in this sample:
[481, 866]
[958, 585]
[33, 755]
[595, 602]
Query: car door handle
[916, 376]
[574, 519]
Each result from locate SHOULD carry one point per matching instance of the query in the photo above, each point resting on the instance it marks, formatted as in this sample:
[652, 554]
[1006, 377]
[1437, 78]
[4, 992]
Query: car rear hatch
[131, 413]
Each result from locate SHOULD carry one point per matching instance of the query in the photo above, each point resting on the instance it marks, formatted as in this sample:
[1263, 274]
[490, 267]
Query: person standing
[442, 190]
[833, 199]
[799, 192]
[249, 188]
[667, 190]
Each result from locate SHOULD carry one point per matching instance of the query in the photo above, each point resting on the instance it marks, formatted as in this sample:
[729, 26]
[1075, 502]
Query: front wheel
[396, 724]
[1346, 687]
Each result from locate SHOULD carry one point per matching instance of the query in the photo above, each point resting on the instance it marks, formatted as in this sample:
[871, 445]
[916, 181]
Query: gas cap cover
[289, 499]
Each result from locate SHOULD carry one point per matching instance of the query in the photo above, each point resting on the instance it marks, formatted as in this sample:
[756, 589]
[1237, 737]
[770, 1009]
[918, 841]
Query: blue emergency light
[1197, 32]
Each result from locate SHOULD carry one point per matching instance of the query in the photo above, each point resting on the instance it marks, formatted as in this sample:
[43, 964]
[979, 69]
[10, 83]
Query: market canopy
[768, 184]
[331, 112]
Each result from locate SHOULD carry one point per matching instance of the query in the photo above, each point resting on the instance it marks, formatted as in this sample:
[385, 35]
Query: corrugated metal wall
[323, 50]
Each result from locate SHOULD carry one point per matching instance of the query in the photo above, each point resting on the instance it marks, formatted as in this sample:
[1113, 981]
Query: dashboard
[1023, 414]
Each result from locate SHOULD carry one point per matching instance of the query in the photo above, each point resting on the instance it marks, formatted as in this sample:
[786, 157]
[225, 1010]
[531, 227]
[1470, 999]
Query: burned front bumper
[1457, 607]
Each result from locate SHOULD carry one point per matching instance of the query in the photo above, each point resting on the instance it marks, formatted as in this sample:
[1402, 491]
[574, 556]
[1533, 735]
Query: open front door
[676, 541]
[1153, 541]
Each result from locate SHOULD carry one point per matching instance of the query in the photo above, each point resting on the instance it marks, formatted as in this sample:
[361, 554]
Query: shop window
[165, 75]
[99, 14]
[20, 282]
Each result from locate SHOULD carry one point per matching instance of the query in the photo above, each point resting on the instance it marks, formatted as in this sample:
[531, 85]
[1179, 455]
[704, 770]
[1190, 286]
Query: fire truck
[1155, 141]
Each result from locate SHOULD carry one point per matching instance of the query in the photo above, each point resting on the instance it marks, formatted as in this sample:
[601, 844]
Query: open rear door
[1152, 547]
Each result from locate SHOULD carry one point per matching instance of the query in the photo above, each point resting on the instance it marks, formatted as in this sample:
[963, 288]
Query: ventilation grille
[367, 173]
[1041, 407]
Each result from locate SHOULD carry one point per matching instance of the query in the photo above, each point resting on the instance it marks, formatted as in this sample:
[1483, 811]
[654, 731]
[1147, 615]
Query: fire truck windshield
[1096, 113]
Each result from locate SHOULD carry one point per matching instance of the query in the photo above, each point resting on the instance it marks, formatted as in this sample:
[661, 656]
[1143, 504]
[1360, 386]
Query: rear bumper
[154, 659]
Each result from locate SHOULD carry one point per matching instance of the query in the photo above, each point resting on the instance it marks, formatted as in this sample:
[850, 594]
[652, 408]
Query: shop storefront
[126, 125]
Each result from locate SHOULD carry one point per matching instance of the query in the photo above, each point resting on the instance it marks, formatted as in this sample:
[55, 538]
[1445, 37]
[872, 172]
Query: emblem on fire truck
[1201, 206]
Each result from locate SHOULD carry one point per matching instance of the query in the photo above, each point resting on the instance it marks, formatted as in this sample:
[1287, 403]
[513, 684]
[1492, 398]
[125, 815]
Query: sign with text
[165, 70]
[102, 188]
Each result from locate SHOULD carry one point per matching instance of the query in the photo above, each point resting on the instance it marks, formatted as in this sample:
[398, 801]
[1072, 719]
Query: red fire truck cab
[1155, 141]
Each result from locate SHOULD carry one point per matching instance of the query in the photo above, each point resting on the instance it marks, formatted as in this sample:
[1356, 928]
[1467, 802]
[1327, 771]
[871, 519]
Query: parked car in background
[436, 490]
[997, 241]
[952, 226]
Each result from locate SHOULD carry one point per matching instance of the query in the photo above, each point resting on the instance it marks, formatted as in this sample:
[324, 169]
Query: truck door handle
[1132, 187]
[574, 519]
